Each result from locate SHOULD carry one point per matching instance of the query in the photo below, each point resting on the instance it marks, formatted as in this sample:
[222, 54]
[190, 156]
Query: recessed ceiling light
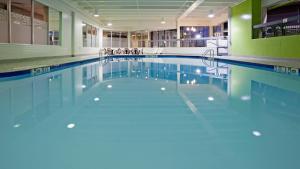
[163, 21]
[96, 14]
[109, 24]
[96, 99]
[163, 89]
[71, 125]
[109, 86]
[210, 15]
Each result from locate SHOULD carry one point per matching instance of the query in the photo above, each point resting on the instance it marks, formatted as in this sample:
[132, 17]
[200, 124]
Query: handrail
[277, 22]
[211, 57]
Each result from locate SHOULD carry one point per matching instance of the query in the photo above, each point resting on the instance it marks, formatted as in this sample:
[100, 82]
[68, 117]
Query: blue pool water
[162, 113]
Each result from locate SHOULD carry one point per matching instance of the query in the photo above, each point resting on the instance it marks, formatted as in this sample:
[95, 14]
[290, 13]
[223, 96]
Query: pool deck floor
[26, 64]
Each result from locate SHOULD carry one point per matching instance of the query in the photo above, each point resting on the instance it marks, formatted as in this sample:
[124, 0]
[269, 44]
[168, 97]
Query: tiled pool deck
[25, 64]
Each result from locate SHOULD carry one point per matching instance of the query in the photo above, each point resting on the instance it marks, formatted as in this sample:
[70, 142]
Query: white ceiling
[147, 14]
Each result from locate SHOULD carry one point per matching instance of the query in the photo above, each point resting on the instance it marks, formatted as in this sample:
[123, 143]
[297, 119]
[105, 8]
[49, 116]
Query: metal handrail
[211, 57]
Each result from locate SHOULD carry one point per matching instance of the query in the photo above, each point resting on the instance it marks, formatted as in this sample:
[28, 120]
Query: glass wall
[54, 27]
[164, 38]
[139, 39]
[21, 25]
[90, 35]
[115, 39]
[192, 33]
[40, 24]
[3, 21]
[45, 29]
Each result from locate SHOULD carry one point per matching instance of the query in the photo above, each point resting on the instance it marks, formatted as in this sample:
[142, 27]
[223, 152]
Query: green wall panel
[244, 45]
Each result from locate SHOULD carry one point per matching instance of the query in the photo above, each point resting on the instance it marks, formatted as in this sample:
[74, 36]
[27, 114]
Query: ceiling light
[96, 99]
[211, 14]
[96, 14]
[109, 86]
[109, 24]
[198, 71]
[163, 89]
[163, 21]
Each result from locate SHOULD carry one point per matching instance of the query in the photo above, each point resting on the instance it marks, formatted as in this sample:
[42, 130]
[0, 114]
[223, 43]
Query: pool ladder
[210, 55]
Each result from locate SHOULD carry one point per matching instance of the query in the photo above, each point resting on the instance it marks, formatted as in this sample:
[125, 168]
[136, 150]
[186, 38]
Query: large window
[115, 39]
[3, 21]
[21, 21]
[40, 24]
[90, 35]
[54, 27]
[45, 29]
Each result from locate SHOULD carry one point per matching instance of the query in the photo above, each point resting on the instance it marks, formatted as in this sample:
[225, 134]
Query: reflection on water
[151, 113]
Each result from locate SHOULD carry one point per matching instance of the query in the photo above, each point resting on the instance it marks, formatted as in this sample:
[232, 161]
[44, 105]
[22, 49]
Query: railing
[193, 42]
[210, 54]
[284, 27]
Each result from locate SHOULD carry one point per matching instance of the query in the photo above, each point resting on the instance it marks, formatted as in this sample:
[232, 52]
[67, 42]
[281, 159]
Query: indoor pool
[151, 113]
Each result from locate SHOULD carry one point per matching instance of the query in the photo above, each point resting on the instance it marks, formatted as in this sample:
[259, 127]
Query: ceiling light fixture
[163, 21]
[109, 24]
[96, 14]
[211, 14]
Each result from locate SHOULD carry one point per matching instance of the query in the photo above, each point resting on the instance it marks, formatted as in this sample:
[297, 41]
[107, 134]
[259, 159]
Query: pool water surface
[151, 113]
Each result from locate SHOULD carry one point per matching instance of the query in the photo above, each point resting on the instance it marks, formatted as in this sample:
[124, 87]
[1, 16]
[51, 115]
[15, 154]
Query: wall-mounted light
[246, 16]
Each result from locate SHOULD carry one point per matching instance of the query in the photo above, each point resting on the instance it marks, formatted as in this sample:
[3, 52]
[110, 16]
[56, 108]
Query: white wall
[17, 51]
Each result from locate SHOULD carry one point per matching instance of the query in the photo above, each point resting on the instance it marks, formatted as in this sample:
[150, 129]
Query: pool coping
[54, 67]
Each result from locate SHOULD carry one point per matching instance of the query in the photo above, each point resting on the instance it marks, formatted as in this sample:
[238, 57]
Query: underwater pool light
[71, 125]
[256, 133]
[210, 98]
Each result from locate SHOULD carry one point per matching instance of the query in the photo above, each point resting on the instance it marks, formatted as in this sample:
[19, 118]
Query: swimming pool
[151, 113]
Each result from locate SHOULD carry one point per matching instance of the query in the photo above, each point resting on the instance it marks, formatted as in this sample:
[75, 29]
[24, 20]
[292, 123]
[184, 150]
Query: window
[54, 27]
[3, 21]
[46, 26]
[90, 35]
[21, 25]
[40, 24]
